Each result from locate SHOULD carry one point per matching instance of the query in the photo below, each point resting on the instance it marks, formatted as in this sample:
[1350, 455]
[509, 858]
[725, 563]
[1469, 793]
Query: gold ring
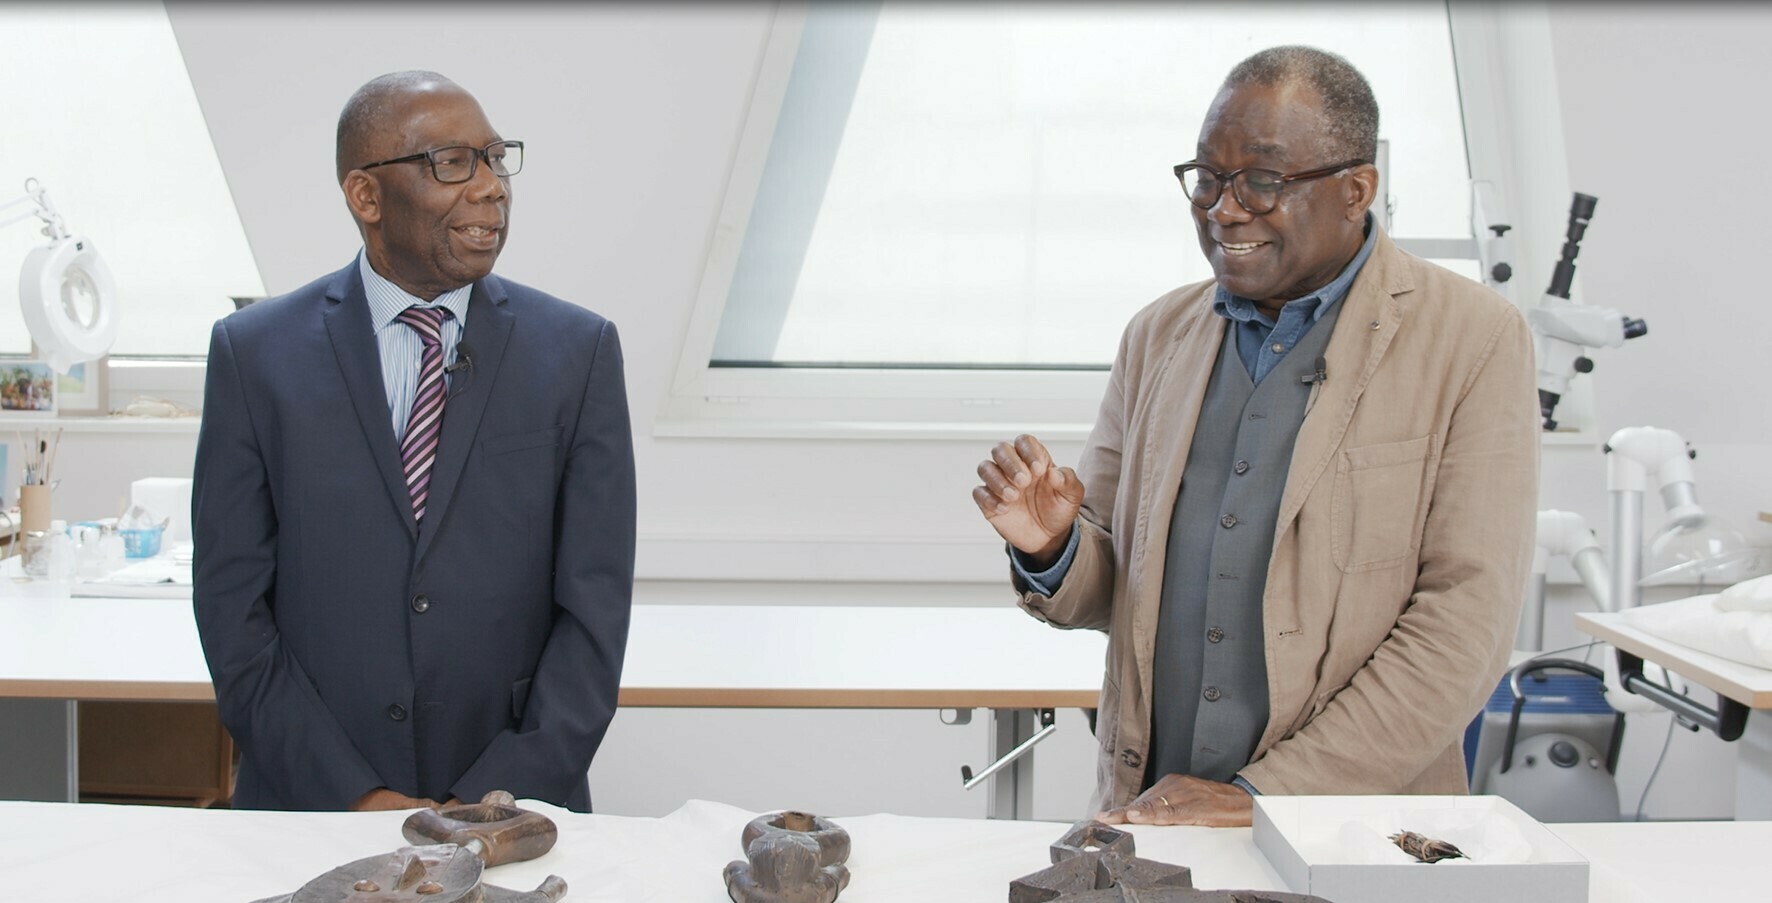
[1164, 800]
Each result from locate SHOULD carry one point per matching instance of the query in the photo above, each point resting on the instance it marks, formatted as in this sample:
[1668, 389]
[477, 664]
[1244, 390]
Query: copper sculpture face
[790, 857]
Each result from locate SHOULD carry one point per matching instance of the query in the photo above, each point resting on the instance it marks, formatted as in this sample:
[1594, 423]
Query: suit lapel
[488, 329]
[1368, 322]
[359, 359]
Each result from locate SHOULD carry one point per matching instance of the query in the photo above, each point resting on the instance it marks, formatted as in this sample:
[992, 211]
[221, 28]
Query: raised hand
[1030, 500]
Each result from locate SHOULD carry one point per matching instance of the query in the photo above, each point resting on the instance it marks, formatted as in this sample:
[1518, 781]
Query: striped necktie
[424, 426]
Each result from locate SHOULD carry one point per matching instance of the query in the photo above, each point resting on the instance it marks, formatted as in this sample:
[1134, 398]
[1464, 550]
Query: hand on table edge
[1179, 799]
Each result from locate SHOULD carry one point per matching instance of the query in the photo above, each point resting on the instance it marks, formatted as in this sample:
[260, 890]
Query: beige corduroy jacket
[1401, 551]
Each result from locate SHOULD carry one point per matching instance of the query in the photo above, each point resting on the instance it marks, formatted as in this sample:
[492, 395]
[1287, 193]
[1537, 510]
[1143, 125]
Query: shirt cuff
[1245, 785]
[1048, 581]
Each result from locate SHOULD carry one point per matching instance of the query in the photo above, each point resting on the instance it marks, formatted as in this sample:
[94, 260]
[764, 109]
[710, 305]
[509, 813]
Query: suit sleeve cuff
[1048, 581]
[1245, 785]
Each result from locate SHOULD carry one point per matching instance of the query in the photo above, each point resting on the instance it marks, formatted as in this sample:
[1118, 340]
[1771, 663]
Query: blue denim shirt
[1263, 341]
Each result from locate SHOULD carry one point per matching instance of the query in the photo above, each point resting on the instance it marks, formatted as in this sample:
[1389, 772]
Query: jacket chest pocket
[1377, 502]
[545, 438]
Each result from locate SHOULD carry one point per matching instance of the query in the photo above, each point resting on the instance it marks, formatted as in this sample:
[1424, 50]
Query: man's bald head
[373, 113]
[1350, 111]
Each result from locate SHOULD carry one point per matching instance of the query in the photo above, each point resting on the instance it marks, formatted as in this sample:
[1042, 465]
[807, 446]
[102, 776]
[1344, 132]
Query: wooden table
[1745, 684]
[56, 651]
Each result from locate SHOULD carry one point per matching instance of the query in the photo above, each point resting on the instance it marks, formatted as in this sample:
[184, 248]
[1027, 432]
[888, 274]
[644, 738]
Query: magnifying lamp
[65, 288]
[1695, 547]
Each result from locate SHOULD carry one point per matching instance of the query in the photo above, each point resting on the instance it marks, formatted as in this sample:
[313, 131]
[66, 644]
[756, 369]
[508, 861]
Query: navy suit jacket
[353, 648]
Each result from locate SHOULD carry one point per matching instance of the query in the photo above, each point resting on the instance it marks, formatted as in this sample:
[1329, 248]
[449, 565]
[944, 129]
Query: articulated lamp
[65, 289]
[1694, 548]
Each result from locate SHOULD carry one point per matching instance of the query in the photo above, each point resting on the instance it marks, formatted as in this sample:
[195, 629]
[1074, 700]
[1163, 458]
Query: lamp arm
[1636, 452]
[53, 226]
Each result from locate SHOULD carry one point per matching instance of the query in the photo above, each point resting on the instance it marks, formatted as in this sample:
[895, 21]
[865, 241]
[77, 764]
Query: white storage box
[1335, 847]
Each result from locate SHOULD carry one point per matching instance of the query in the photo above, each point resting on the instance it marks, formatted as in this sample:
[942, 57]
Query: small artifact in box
[1341, 848]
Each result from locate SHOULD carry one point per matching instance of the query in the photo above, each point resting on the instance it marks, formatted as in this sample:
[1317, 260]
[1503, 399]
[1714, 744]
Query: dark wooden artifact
[475, 837]
[1426, 849]
[508, 833]
[790, 857]
[1090, 858]
[1094, 863]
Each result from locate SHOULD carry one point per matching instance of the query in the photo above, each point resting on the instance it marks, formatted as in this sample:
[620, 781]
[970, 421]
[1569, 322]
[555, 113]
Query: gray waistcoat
[1209, 686]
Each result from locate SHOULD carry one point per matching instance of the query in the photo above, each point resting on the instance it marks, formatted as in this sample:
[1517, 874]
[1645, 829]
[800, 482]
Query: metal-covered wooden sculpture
[472, 838]
[790, 857]
[509, 834]
[1094, 863]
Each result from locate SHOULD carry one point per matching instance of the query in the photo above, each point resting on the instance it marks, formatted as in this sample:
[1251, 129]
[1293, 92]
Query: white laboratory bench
[80, 853]
[58, 650]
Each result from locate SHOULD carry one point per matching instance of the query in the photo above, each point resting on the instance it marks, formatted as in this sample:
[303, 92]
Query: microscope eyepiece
[1583, 208]
[1564, 274]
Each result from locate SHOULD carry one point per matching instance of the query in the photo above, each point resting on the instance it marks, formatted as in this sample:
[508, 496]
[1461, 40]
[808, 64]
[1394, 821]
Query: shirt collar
[387, 300]
[1243, 310]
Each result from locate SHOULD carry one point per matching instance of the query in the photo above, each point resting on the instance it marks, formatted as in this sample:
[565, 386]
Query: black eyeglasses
[1257, 190]
[458, 162]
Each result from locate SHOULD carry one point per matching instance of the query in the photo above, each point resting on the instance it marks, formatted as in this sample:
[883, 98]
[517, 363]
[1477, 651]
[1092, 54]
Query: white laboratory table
[1745, 684]
[57, 650]
[81, 853]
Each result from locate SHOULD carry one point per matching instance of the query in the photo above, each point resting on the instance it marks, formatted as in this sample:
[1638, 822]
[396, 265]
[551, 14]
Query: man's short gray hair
[1348, 105]
[370, 110]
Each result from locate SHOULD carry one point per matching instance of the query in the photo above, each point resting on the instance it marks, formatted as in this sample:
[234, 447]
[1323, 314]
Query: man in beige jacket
[1305, 513]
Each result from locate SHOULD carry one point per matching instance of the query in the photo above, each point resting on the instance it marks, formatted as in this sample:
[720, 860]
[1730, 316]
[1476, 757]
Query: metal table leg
[1753, 769]
[1013, 735]
[40, 750]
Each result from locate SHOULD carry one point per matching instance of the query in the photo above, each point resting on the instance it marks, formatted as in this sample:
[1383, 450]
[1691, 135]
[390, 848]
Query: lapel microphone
[464, 358]
[1320, 376]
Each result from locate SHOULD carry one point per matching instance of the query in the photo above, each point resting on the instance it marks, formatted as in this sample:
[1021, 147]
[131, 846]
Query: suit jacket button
[1241, 467]
[1214, 635]
[421, 603]
[1130, 758]
[397, 712]
[1212, 694]
[1228, 521]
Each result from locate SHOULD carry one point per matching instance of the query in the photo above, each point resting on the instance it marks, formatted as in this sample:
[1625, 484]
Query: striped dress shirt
[401, 349]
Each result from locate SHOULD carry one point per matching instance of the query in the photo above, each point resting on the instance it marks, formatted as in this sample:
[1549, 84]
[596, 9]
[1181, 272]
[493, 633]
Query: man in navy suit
[414, 500]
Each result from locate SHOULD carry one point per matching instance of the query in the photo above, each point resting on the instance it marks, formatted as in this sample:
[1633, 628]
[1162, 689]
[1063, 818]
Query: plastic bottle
[62, 564]
[112, 552]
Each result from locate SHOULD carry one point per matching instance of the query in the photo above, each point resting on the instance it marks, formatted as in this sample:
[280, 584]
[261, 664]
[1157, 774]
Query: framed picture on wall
[27, 390]
[84, 391]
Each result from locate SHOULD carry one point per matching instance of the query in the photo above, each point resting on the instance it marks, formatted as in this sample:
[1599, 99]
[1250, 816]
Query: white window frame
[1503, 62]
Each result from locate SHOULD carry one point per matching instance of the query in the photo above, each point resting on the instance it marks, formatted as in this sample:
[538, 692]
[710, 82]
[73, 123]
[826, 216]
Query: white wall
[632, 114]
